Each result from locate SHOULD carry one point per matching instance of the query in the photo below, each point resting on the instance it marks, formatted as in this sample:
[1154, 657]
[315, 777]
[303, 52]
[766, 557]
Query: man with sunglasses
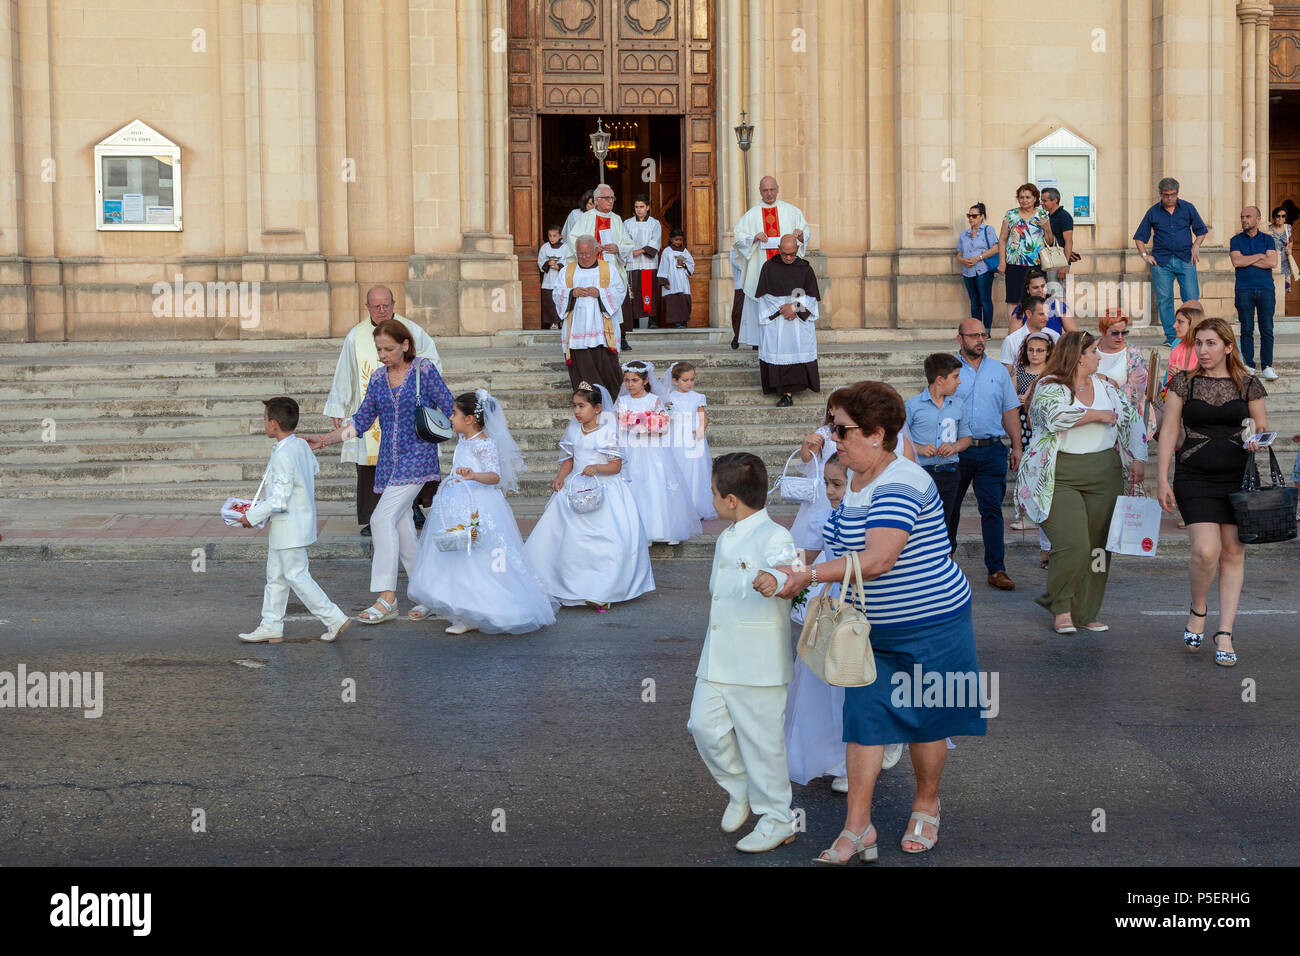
[993, 409]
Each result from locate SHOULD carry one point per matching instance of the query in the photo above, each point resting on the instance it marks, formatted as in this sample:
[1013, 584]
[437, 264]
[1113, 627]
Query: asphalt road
[546, 737]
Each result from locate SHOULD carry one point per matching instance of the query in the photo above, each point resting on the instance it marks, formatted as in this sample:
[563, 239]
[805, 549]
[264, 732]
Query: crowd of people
[1066, 412]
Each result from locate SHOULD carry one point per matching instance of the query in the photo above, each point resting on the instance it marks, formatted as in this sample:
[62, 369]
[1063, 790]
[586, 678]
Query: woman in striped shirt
[919, 605]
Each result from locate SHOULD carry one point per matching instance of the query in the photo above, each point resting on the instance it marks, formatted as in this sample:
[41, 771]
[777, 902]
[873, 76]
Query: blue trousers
[980, 290]
[985, 467]
[1162, 281]
[946, 478]
[1252, 302]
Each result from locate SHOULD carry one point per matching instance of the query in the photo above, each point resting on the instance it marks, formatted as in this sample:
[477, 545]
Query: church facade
[218, 169]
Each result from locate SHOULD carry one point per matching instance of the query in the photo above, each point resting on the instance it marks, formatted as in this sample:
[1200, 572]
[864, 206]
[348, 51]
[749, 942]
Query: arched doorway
[647, 65]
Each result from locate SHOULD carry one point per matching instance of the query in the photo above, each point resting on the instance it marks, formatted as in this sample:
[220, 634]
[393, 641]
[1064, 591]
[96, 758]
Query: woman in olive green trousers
[1087, 440]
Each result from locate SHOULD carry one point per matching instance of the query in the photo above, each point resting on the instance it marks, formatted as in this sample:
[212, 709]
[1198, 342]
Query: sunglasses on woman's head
[842, 431]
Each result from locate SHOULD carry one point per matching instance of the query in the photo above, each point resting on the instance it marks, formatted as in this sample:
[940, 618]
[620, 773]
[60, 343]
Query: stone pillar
[14, 303]
[1247, 15]
[1262, 18]
[755, 96]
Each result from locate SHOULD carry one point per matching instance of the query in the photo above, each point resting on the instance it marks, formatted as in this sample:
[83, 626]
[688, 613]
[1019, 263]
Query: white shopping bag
[1135, 526]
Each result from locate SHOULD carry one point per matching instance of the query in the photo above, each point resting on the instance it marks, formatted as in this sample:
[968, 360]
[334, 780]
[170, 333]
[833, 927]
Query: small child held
[687, 424]
[485, 584]
[589, 547]
[662, 496]
[290, 504]
[676, 266]
[738, 709]
[550, 260]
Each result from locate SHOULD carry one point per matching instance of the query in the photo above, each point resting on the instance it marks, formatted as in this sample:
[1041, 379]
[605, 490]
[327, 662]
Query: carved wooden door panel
[1284, 45]
[604, 58]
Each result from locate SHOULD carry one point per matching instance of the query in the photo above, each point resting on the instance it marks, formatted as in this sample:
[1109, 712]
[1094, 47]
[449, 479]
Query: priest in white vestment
[757, 236]
[357, 362]
[589, 298]
[615, 245]
[642, 303]
[787, 298]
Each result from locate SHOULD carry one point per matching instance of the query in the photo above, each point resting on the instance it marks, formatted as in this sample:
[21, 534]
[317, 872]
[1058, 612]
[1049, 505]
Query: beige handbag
[1052, 257]
[836, 639]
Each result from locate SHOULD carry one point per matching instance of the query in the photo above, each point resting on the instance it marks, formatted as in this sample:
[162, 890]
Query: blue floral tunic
[404, 458]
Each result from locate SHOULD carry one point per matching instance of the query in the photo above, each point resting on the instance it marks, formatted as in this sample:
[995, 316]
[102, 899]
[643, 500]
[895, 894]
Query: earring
[875, 444]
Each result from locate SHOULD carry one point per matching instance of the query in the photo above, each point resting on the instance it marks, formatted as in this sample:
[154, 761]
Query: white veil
[510, 461]
[657, 388]
[666, 382]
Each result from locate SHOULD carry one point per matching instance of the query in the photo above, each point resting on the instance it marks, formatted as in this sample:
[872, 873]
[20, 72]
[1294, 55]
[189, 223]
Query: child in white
[290, 505]
[487, 585]
[687, 423]
[676, 266]
[817, 447]
[662, 498]
[551, 258]
[738, 709]
[598, 555]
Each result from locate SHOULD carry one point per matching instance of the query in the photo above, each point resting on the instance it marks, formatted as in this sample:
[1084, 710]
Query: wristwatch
[813, 582]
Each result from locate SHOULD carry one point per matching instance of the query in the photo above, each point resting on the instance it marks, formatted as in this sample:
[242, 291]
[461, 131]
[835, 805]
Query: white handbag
[836, 639]
[795, 489]
[1051, 258]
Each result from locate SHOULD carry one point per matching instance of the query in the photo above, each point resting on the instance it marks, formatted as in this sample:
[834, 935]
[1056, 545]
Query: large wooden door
[599, 58]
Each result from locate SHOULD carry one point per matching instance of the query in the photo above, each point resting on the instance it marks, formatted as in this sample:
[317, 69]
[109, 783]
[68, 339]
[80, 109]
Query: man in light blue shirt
[936, 420]
[993, 411]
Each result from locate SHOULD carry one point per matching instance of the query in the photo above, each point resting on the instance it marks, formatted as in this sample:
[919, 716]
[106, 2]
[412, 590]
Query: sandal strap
[1195, 613]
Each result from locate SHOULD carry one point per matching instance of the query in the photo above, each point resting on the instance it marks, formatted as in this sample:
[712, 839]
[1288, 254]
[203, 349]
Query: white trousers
[287, 568]
[392, 529]
[740, 733]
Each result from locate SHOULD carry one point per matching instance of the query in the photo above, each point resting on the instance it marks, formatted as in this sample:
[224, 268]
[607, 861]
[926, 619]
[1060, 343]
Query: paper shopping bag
[1135, 526]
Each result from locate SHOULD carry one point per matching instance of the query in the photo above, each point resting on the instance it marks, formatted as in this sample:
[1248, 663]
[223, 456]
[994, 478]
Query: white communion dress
[693, 456]
[811, 516]
[814, 711]
[662, 496]
[600, 555]
[487, 584]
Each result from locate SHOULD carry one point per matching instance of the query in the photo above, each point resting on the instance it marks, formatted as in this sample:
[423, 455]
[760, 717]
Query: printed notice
[160, 215]
[133, 207]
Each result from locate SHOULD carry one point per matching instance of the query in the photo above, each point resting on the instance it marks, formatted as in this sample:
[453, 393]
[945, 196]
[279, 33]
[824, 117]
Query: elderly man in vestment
[616, 245]
[757, 236]
[787, 351]
[357, 362]
[589, 298]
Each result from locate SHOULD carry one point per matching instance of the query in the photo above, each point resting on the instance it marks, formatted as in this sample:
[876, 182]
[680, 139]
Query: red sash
[647, 280]
[772, 226]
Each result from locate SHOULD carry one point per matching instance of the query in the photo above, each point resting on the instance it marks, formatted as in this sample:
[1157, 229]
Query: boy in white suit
[738, 711]
[290, 504]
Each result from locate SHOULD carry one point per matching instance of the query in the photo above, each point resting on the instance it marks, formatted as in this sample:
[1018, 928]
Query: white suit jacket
[748, 640]
[288, 495]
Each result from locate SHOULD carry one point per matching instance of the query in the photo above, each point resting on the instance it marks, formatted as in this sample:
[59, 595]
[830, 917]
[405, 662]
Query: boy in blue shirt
[936, 420]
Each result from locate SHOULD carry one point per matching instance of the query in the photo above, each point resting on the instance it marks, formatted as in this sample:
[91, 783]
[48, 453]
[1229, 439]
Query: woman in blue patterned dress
[919, 605]
[405, 462]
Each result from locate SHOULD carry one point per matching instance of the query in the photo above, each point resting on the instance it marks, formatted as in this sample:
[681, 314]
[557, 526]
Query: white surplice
[679, 279]
[585, 327]
[551, 277]
[785, 341]
[586, 226]
[648, 233]
[754, 254]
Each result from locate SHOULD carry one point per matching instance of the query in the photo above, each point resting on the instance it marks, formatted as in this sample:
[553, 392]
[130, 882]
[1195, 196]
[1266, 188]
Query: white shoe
[840, 784]
[893, 753]
[336, 629]
[735, 816]
[458, 629]
[1268, 374]
[263, 633]
[759, 841]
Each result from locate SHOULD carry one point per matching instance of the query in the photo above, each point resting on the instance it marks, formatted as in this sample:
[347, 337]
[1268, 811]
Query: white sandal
[390, 612]
[867, 854]
[417, 613]
[913, 834]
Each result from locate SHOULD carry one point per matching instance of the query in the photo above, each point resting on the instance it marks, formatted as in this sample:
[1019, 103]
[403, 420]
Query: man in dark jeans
[1254, 256]
[937, 422]
[993, 410]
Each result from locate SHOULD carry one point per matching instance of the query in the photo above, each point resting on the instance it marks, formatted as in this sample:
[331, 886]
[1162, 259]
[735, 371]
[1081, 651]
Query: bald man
[757, 236]
[1254, 256]
[357, 362]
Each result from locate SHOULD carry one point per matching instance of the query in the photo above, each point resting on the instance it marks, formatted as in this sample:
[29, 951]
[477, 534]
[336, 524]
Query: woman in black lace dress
[1213, 401]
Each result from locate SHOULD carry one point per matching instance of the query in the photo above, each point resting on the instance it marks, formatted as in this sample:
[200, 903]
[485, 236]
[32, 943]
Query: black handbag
[431, 424]
[1264, 515]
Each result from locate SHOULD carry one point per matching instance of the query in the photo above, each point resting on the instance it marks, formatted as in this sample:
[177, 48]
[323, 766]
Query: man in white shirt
[1035, 321]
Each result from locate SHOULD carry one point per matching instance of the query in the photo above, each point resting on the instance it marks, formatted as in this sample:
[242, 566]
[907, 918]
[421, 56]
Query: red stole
[772, 226]
[602, 222]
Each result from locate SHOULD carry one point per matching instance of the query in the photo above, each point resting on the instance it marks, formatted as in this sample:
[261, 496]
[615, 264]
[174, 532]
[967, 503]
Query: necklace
[588, 431]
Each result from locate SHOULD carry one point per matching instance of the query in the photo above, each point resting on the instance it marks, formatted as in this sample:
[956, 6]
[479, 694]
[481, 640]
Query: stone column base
[473, 292]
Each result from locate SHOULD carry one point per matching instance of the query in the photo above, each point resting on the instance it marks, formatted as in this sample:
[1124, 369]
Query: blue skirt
[927, 687]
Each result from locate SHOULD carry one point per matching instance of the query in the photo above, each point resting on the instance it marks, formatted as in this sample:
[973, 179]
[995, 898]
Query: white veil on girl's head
[510, 461]
[654, 386]
[666, 382]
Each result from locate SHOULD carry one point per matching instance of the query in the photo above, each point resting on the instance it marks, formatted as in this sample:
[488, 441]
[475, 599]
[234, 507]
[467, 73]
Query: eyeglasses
[972, 215]
[1118, 334]
[842, 431]
[975, 335]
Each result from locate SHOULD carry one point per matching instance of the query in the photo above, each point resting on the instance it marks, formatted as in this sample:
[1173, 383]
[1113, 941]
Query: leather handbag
[836, 639]
[795, 489]
[431, 424]
[1264, 515]
[1052, 257]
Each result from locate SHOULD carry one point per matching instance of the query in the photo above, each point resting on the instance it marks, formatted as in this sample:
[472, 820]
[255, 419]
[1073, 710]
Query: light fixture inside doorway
[600, 146]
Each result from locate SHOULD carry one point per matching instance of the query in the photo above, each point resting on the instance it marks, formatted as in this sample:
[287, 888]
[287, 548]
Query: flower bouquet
[644, 423]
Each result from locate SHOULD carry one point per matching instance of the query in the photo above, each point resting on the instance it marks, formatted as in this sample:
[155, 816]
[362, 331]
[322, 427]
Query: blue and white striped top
[924, 583]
